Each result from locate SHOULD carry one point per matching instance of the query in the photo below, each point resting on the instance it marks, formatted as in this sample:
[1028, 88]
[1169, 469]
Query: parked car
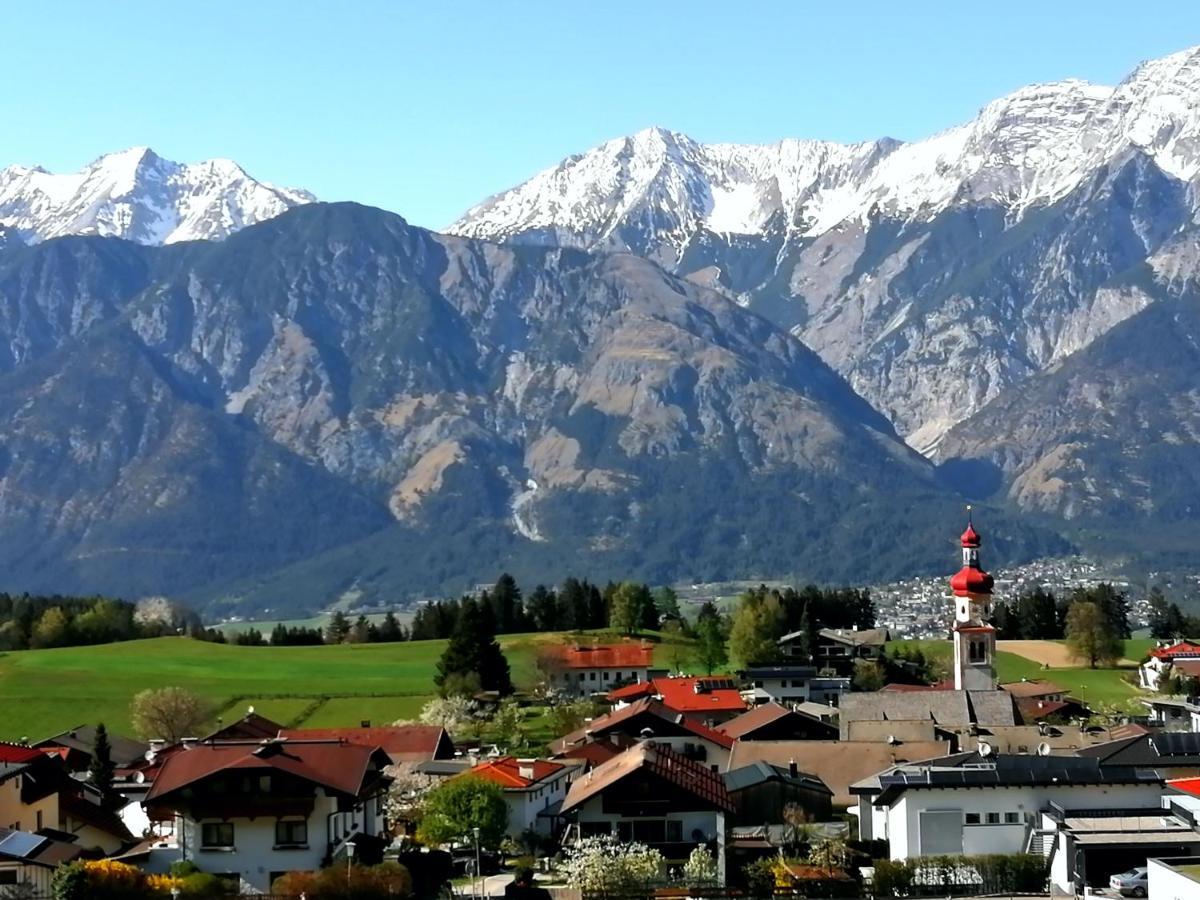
[1133, 883]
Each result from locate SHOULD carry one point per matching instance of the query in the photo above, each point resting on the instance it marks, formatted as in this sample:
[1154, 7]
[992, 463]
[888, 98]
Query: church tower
[974, 638]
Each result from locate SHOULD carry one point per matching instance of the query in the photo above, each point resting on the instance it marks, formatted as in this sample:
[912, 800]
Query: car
[1133, 883]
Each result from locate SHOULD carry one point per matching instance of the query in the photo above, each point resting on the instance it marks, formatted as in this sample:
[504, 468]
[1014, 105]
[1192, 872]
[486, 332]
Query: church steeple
[974, 638]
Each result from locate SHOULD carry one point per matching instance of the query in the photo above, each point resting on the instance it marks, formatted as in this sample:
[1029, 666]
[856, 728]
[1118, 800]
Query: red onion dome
[969, 580]
[970, 537]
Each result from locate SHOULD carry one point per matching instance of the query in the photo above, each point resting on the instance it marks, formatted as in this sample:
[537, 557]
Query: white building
[251, 811]
[791, 684]
[968, 804]
[1170, 658]
[585, 669]
[533, 789]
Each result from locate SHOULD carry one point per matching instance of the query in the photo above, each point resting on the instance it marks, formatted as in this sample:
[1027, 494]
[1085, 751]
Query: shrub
[989, 874]
[386, 880]
[605, 865]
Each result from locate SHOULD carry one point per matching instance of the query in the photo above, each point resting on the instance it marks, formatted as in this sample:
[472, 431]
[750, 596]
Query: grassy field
[1093, 686]
[43, 692]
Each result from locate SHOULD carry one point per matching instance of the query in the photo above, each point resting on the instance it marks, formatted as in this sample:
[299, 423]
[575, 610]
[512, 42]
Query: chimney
[793, 769]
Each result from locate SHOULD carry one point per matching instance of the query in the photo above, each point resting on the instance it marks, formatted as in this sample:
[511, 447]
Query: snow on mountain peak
[655, 190]
[138, 195]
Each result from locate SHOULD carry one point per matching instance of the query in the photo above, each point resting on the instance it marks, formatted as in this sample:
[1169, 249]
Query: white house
[791, 684]
[584, 669]
[1173, 879]
[968, 804]
[533, 789]
[251, 811]
[652, 795]
[1168, 658]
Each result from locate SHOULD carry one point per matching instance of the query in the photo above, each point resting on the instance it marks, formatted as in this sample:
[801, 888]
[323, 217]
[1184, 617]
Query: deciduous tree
[454, 809]
[169, 714]
[1090, 634]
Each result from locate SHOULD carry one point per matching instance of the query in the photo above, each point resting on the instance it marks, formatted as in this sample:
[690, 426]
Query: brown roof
[336, 765]
[250, 727]
[1023, 689]
[694, 777]
[837, 763]
[911, 730]
[753, 719]
[403, 743]
[602, 656]
[613, 720]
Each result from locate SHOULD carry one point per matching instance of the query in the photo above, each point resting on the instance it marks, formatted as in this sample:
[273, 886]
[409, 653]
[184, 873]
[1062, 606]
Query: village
[781, 778]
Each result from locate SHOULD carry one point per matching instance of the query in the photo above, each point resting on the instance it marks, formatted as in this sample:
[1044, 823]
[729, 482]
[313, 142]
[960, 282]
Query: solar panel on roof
[22, 844]
[1173, 743]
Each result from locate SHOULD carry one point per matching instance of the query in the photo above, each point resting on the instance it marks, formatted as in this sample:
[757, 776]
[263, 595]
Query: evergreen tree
[100, 772]
[390, 629]
[710, 644]
[1160, 627]
[542, 610]
[506, 605]
[666, 603]
[338, 628]
[472, 650]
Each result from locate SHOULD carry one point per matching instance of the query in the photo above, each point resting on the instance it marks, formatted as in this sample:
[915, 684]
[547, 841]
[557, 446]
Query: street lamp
[478, 866]
[349, 860]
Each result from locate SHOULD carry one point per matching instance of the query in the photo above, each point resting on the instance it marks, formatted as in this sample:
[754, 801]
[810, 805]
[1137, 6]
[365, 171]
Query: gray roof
[873, 636]
[1165, 749]
[125, 751]
[760, 772]
[942, 707]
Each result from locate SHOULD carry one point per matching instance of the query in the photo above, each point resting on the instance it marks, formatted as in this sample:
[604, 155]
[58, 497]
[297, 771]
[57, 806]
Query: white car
[1132, 883]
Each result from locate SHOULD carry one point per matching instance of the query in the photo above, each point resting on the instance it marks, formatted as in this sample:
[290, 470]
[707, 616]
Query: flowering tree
[450, 712]
[603, 865]
[700, 868]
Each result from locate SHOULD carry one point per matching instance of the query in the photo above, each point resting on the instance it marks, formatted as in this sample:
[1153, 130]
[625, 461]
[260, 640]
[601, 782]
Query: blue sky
[426, 108]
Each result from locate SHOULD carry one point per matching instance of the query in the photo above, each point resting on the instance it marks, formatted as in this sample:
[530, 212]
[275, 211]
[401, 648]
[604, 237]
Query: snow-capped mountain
[931, 274]
[138, 195]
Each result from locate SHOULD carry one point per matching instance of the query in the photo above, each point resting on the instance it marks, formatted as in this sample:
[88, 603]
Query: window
[291, 832]
[8, 876]
[216, 834]
[674, 831]
[591, 676]
[972, 818]
[594, 829]
[652, 831]
[39, 820]
[1012, 818]
[993, 818]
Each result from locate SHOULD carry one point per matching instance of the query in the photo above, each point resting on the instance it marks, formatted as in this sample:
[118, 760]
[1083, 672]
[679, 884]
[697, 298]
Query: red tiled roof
[407, 743]
[631, 691]
[336, 765]
[18, 753]
[1183, 648]
[603, 656]
[1185, 785]
[1032, 709]
[681, 694]
[595, 752]
[506, 771]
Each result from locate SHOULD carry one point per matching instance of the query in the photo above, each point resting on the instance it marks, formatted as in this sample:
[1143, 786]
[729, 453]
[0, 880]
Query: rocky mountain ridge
[932, 275]
[138, 195]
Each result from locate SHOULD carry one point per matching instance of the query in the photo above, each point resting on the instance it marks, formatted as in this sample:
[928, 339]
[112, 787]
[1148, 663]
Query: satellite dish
[1043, 749]
[985, 749]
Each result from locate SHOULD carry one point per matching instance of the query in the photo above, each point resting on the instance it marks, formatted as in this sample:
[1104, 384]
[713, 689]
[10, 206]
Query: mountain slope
[358, 405]
[1109, 436]
[139, 196]
[885, 257]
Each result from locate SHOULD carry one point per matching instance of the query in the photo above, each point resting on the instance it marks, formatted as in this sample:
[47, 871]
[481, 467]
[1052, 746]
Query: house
[253, 810]
[1177, 754]
[1086, 847]
[791, 684]
[1174, 713]
[837, 649]
[772, 722]
[37, 793]
[838, 764]
[533, 789]
[1034, 690]
[942, 708]
[652, 795]
[30, 859]
[1173, 879]
[763, 793]
[250, 727]
[581, 670]
[709, 700]
[402, 743]
[1043, 701]
[649, 719]
[970, 804]
[1167, 659]
[76, 744]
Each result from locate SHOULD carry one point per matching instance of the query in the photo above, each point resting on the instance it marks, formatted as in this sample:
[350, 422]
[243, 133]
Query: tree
[454, 809]
[676, 645]
[608, 866]
[338, 628]
[630, 602]
[666, 602]
[509, 722]
[1160, 627]
[710, 651]
[1090, 634]
[169, 714]
[868, 676]
[100, 772]
[755, 630]
[451, 712]
[505, 599]
[700, 869]
[542, 610]
[390, 629]
[50, 630]
[472, 651]
[830, 854]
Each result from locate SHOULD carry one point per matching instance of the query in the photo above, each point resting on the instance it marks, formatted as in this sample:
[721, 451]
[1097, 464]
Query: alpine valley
[659, 359]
